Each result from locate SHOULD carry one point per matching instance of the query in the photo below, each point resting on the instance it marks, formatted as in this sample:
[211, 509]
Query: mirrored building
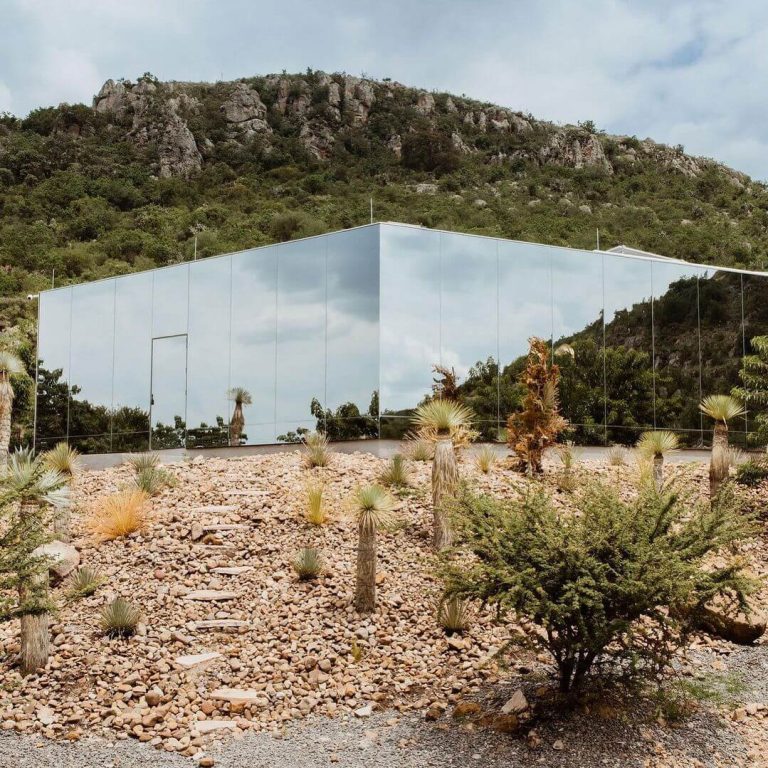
[340, 332]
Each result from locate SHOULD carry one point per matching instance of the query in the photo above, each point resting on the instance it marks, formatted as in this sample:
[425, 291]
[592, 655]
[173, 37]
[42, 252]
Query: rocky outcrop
[575, 150]
[358, 99]
[245, 112]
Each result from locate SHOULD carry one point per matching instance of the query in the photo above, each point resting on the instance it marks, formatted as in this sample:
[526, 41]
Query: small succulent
[308, 563]
[120, 618]
[84, 582]
[453, 615]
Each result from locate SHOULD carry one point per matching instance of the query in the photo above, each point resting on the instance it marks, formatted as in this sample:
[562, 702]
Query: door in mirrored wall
[168, 401]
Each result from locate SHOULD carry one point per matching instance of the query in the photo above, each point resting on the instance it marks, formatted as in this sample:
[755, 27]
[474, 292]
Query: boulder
[64, 558]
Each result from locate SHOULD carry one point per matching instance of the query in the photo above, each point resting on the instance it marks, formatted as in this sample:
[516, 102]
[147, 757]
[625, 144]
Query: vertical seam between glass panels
[605, 373]
[277, 326]
[37, 374]
[151, 356]
[114, 338]
[440, 297]
[69, 359]
[498, 341]
[743, 352]
[701, 365]
[653, 345]
[378, 327]
[325, 340]
[229, 354]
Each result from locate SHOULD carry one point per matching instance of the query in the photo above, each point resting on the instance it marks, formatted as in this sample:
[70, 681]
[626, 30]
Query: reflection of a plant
[344, 423]
[240, 397]
[167, 436]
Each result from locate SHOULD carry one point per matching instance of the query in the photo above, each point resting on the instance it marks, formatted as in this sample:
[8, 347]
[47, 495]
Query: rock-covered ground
[318, 683]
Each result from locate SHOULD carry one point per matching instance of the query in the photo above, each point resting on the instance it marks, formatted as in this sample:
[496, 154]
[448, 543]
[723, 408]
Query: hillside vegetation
[128, 183]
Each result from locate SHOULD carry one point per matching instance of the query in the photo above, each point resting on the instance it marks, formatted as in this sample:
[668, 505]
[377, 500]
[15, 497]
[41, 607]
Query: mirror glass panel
[133, 362]
[301, 283]
[628, 348]
[577, 327]
[53, 365]
[525, 310]
[755, 298]
[410, 320]
[91, 366]
[208, 402]
[253, 344]
[169, 392]
[469, 330]
[352, 379]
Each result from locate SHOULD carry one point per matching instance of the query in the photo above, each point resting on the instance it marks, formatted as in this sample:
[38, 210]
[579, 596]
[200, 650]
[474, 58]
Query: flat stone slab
[207, 726]
[211, 527]
[210, 595]
[188, 662]
[232, 570]
[221, 624]
[212, 509]
[244, 492]
[239, 696]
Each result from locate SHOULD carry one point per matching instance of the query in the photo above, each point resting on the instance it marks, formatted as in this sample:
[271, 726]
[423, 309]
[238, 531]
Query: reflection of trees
[91, 427]
[344, 423]
[167, 436]
[209, 435]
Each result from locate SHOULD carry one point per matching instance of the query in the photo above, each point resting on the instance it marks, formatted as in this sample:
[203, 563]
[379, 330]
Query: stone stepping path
[239, 696]
[210, 595]
[232, 570]
[207, 726]
[195, 660]
[221, 624]
[244, 492]
[216, 527]
[214, 509]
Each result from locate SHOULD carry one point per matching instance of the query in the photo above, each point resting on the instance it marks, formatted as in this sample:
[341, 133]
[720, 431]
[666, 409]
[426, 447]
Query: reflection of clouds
[627, 283]
[406, 369]
[170, 298]
[133, 345]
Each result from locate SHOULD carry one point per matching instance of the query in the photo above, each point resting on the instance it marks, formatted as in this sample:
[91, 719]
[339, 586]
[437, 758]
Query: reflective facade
[340, 332]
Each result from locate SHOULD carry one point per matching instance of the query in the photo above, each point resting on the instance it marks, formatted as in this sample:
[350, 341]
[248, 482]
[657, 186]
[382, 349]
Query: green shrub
[597, 583]
[120, 618]
[752, 472]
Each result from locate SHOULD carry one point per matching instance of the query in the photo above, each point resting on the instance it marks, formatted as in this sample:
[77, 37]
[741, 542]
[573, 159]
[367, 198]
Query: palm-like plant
[441, 419]
[374, 508]
[10, 365]
[35, 487]
[722, 409]
[656, 445]
[240, 397]
[65, 460]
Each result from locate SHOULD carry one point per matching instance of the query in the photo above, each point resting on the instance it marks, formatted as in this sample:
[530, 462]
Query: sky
[690, 72]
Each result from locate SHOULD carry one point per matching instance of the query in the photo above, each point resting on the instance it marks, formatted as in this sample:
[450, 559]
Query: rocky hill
[152, 170]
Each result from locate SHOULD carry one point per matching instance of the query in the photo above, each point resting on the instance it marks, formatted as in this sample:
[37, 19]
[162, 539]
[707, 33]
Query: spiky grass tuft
[374, 507]
[420, 449]
[617, 456]
[398, 473]
[485, 459]
[317, 452]
[308, 563]
[660, 442]
[453, 615]
[61, 458]
[120, 618]
[152, 480]
[722, 408]
[315, 512]
[119, 515]
[141, 461]
[84, 582]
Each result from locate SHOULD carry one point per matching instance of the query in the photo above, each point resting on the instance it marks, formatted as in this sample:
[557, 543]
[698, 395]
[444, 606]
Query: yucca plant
[374, 508]
[119, 515]
[398, 473]
[120, 618]
[317, 452]
[617, 456]
[655, 446]
[240, 397]
[453, 615]
[67, 461]
[721, 409]
[420, 449]
[485, 459]
[442, 418]
[141, 461]
[10, 365]
[315, 510]
[84, 582]
[308, 563]
[152, 480]
[28, 489]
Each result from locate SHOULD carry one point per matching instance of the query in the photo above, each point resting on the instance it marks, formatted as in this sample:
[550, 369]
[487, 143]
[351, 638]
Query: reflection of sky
[53, 334]
[627, 283]
[577, 290]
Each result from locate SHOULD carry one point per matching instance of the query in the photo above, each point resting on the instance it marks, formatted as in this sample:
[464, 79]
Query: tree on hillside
[754, 387]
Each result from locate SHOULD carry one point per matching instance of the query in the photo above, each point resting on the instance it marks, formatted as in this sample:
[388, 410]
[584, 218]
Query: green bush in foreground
[752, 473]
[606, 581]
